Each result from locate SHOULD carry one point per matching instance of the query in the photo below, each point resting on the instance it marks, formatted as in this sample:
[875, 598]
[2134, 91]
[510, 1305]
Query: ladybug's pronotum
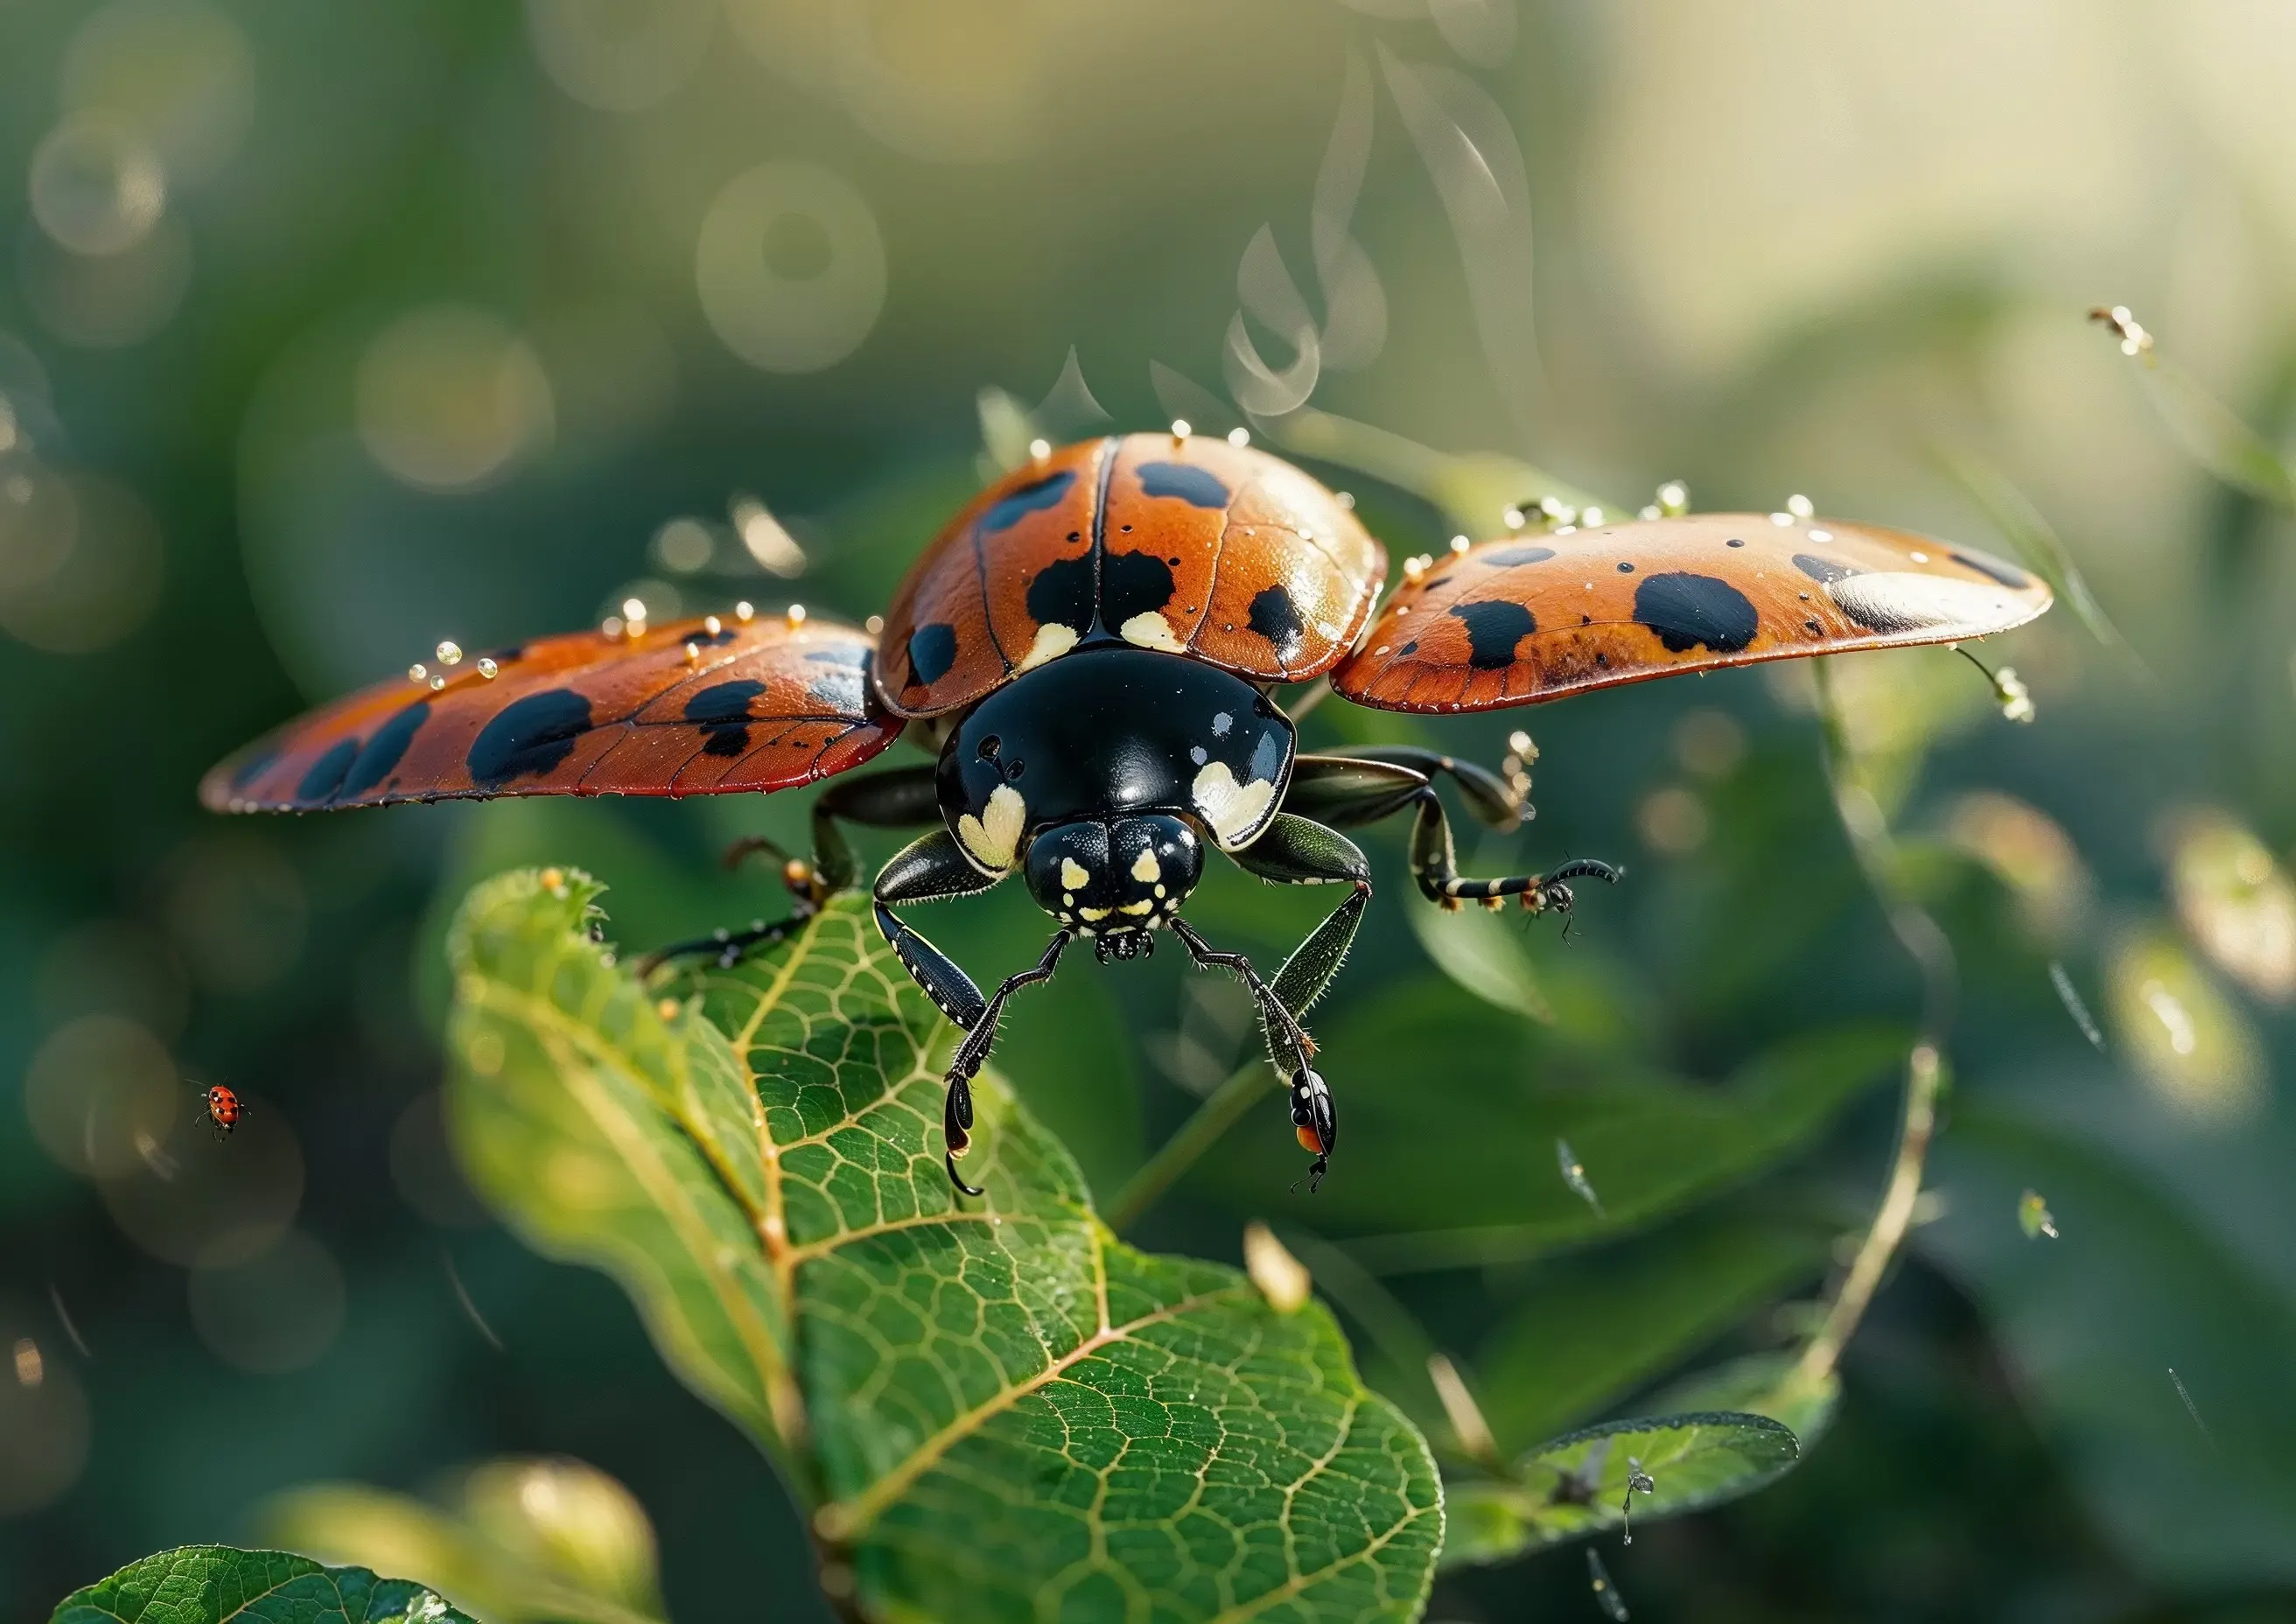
[1089, 652]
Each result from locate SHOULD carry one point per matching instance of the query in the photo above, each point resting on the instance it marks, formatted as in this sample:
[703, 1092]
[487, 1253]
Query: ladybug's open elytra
[1089, 650]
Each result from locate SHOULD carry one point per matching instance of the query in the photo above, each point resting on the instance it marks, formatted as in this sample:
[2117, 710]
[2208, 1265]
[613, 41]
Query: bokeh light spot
[179, 72]
[237, 909]
[195, 1198]
[2190, 1045]
[277, 1311]
[449, 399]
[43, 1418]
[99, 1091]
[95, 187]
[620, 55]
[781, 320]
[80, 562]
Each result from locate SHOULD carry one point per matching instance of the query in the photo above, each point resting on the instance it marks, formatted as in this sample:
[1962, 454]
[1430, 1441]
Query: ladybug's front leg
[928, 870]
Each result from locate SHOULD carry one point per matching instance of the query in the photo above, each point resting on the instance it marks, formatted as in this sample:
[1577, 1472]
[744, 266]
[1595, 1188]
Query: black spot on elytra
[247, 771]
[722, 710]
[1133, 584]
[1506, 558]
[326, 774]
[1734, 541]
[1687, 611]
[528, 737]
[845, 654]
[1822, 569]
[1195, 486]
[1493, 629]
[702, 636]
[2008, 575]
[932, 650]
[1276, 618]
[1411, 647]
[1061, 593]
[1034, 497]
[505, 656]
[381, 755]
[1626, 568]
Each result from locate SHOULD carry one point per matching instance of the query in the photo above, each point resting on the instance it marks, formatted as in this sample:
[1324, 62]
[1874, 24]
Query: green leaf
[540, 1541]
[1576, 1484]
[1449, 1111]
[1768, 1385]
[1583, 1330]
[207, 1584]
[1476, 950]
[989, 1406]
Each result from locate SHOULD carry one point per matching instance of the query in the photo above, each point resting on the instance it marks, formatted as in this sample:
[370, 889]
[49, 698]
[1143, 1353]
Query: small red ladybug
[223, 1109]
[1091, 651]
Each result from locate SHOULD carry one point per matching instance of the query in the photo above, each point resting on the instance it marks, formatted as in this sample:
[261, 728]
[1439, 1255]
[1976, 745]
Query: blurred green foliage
[327, 333]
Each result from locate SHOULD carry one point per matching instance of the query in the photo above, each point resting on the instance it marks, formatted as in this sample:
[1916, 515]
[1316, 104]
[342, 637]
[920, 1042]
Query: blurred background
[327, 333]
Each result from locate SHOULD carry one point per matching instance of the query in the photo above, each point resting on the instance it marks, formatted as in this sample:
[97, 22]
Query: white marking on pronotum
[1053, 641]
[1151, 630]
[1146, 869]
[1233, 810]
[994, 836]
[1074, 876]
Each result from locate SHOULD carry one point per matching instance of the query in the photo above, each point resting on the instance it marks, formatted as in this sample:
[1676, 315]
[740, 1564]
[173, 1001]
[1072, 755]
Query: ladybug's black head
[1115, 879]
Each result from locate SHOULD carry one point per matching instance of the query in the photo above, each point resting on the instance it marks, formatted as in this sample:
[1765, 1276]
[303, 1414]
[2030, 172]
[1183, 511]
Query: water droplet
[1782, 519]
[1606, 1594]
[745, 611]
[1040, 449]
[418, 672]
[873, 625]
[794, 614]
[450, 653]
[1239, 438]
[2034, 1216]
[1574, 1174]
[1346, 499]
[712, 625]
[1181, 429]
[437, 683]
[1799, 505]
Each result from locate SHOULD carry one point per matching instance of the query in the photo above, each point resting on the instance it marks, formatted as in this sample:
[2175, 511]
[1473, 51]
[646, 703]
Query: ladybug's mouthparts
[1123, 944]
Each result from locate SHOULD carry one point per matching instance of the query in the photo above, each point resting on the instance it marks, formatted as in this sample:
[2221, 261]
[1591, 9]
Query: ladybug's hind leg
[896, 797]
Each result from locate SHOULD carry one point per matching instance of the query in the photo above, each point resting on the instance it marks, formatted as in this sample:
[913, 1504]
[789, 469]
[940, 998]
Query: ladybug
[1090, 652]
[223, 1109]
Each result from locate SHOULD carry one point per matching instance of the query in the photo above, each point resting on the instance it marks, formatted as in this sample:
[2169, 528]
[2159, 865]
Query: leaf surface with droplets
[992, 1409]
[210, 1584]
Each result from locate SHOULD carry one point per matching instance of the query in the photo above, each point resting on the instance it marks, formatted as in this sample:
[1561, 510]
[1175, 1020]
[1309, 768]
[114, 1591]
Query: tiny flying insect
[1090, 653]
[221, 1109]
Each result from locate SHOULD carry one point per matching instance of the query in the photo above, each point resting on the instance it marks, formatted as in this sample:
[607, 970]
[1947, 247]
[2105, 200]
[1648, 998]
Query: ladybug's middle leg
[895, 798]
[928, 870]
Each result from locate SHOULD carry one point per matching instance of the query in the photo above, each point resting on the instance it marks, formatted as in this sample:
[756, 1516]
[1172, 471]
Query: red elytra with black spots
[1090, 651]
[1194, 546]
[223, 1107]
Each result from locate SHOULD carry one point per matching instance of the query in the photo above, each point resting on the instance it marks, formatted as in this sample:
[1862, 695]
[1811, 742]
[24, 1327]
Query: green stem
[1221, 1110]
[1925, 941]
